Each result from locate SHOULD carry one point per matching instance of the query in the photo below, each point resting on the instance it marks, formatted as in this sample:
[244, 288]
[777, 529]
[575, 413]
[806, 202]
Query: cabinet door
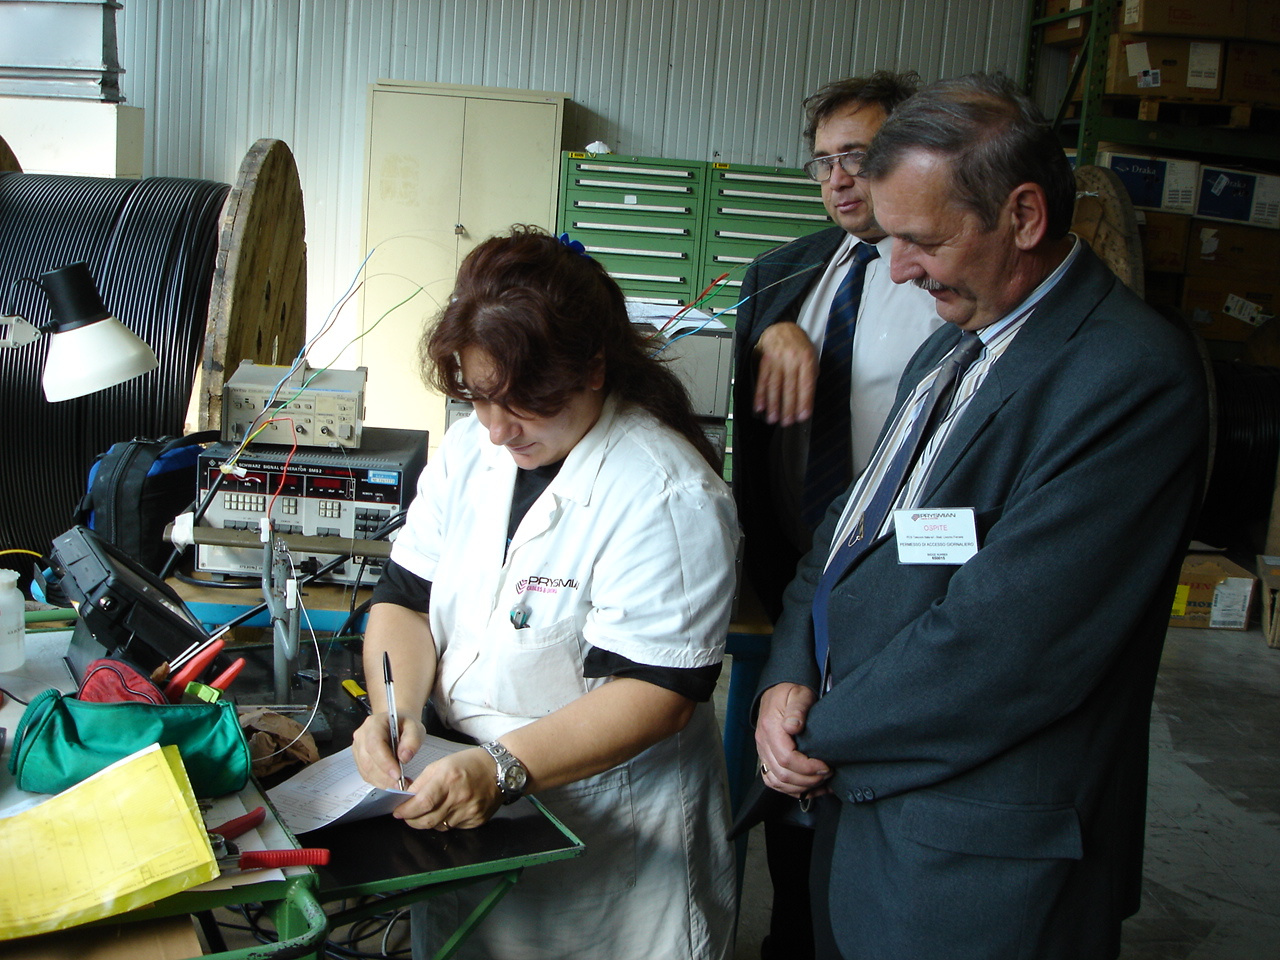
[414, 180]
[510, 168]
[444, 172]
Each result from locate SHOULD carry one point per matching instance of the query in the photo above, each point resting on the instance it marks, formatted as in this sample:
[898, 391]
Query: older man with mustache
[962, 676]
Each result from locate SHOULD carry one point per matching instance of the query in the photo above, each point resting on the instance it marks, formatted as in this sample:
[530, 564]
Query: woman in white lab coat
[561, 591]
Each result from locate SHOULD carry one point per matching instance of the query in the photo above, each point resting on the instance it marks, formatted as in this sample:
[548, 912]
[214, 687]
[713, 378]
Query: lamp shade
[89, 349]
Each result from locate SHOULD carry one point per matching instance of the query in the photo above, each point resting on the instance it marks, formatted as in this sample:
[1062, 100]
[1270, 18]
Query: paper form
[331, 790]
[127, 836]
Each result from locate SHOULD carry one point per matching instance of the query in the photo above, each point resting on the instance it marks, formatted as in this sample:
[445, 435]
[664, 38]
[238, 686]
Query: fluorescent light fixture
[90, 349]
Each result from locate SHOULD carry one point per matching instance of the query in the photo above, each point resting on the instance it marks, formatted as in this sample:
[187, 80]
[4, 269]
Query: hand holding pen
[393, 718]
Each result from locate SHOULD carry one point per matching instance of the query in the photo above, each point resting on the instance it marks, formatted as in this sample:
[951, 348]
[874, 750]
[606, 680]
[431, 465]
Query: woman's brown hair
[543, 312]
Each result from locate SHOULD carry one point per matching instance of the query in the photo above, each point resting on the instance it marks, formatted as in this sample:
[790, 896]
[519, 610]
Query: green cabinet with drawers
[640, 217]
[749, 211]
[666, 229]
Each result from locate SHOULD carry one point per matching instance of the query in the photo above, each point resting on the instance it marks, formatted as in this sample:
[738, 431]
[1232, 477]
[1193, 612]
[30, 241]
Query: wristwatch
[512, 775]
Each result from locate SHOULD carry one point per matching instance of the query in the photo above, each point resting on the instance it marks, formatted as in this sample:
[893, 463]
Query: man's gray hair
[995, 138]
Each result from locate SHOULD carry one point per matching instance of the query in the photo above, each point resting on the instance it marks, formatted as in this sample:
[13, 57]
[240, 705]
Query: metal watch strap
[511, 774]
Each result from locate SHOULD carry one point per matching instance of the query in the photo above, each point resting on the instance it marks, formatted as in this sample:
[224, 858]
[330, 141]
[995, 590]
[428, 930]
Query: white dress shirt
[893, 320]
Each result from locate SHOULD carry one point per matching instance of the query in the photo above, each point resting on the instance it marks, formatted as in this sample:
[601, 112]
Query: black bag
[136, 488]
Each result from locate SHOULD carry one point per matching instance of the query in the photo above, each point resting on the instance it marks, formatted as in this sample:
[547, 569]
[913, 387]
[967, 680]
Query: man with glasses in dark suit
[820, 340]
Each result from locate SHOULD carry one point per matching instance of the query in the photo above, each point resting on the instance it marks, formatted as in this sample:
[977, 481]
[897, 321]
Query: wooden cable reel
[258, 299]
[8, 162]
[1105, 219]
[257, 305]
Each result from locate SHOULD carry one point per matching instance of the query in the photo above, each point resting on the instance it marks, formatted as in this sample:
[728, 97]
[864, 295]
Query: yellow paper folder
[127, 836]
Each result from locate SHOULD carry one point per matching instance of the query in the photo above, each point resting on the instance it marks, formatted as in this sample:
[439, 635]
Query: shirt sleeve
[403, 588]
[696, 683]
[662, 591]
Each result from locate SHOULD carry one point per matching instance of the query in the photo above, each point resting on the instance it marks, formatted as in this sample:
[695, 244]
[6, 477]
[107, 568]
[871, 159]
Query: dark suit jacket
[987, 726]
[769, 558]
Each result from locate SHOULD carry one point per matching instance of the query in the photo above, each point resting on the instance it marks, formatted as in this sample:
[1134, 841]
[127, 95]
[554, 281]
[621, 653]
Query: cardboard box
[1251, 73]
[1228, 304]
[1212, 592]
[1184, 18]
[1064, 32]
[1155, 183]
[1213, 245]
[1269, 575]
[1169, 67]
[1239, 195]
[1164, 240]
[1262, 20]
[173, 938]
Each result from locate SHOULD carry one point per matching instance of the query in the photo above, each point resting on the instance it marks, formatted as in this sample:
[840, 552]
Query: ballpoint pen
[392, 718]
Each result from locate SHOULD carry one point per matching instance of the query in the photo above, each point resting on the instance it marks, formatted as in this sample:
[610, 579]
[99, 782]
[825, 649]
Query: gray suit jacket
[987, 726]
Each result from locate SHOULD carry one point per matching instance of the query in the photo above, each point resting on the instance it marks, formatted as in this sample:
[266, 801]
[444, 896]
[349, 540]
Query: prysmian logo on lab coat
[545, 584]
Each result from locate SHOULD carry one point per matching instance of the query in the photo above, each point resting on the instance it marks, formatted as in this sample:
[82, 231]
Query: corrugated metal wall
[693, 79]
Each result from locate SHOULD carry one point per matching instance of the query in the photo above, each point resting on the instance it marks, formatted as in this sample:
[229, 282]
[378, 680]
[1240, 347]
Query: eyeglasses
[819, 168]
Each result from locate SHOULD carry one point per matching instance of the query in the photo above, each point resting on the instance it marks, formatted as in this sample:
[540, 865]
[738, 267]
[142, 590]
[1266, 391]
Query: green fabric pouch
[61, 741]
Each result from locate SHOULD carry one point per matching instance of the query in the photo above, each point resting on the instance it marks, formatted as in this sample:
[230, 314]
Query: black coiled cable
[1238, 500]
[150, 245]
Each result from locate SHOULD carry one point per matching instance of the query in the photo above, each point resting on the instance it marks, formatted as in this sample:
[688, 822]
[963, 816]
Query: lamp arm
[17, 332]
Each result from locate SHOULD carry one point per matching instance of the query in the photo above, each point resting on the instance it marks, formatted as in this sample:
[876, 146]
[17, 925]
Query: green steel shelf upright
[640, 217]
[1089, 75]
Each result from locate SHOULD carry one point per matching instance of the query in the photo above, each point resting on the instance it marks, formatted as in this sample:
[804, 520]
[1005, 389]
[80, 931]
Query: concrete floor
[1212, 889]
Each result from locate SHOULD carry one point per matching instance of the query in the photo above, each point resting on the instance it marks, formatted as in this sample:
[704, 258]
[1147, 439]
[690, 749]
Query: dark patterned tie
[829, 467]
[931, 412]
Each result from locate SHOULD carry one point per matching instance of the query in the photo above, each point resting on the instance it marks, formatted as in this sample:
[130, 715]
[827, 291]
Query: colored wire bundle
[150, 246]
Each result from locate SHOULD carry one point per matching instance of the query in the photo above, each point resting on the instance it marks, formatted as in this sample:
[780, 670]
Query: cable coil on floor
[150, 245]
[1239, 496]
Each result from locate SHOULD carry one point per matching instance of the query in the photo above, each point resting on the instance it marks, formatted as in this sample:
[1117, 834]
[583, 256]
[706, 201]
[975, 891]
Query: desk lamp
[90, 349]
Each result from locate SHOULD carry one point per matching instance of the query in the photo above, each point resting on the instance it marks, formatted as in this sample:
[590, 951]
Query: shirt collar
[1023, 309]
[844, 252]
[581, 466]
[577, 477]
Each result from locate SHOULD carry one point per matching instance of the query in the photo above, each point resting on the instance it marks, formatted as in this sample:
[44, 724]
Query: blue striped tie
[932, 410]
[829, 468]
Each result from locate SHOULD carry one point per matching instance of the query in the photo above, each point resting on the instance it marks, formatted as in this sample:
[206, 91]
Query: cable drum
[1240, 492]
[152, 246]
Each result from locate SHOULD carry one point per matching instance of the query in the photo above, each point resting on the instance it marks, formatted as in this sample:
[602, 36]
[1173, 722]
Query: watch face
[513, 777]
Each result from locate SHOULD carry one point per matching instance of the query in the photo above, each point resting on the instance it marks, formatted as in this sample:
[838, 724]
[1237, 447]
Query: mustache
[928, 283]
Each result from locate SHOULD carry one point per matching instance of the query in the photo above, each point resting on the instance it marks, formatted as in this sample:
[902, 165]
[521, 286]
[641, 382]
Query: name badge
[935, 536]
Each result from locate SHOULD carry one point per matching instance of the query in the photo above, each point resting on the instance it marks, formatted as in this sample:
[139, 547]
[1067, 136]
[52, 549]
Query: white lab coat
[630, 549]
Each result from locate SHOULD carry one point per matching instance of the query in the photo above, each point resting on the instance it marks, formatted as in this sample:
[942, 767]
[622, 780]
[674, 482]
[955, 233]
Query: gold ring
[446, 824]
[764, 771]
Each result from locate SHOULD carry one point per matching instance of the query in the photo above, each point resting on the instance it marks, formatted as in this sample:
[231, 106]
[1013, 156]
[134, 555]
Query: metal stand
[280, 591]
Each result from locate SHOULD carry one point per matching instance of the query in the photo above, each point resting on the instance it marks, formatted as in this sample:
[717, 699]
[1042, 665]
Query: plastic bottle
[12, 631]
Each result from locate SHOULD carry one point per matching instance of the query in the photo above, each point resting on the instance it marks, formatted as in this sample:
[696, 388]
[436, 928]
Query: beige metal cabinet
[446, 167]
